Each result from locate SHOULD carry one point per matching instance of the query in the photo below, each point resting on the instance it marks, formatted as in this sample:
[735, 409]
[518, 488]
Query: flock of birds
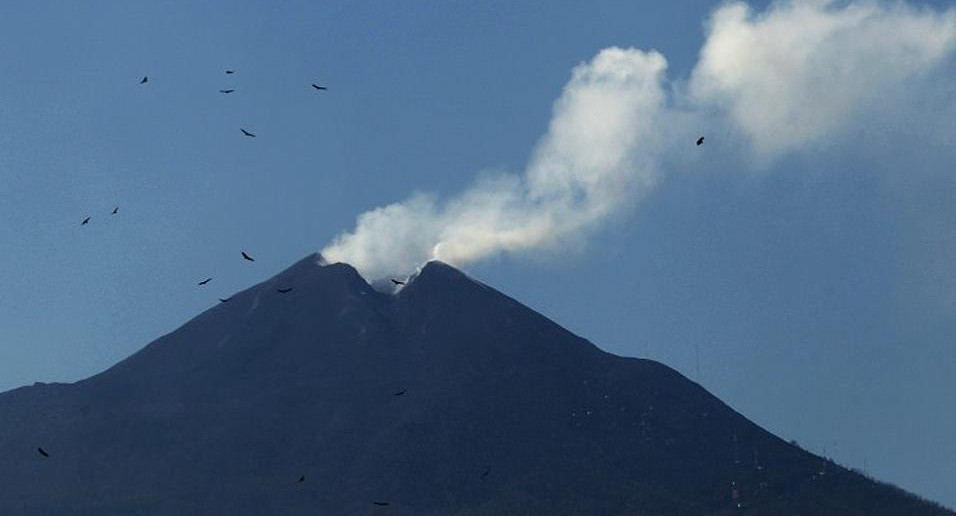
[250, 134]
[245, 256]
[283, 290]
[230, 90]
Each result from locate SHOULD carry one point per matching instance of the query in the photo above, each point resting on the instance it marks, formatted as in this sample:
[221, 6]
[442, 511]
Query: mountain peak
[434, 272]
[307, 265]
[447, 398]
[439, 274]
[435, 267]
[315, 268]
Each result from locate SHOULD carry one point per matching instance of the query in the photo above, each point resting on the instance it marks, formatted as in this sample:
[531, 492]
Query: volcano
[444, 398]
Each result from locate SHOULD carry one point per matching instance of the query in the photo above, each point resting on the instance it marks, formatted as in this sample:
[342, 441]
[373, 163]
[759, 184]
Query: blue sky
[805, 249]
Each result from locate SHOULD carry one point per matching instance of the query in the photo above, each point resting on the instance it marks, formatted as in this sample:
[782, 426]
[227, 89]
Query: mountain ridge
[502, 412]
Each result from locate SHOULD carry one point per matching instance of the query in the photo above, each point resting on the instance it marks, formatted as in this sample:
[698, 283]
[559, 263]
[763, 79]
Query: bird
[228, 299]
[399, 393]
[42, 452]
[316, 86]
[85, 221]
[115, 211]
[485, 474]
[226, 91]
[285, 290]
[380, 504]
[301, 479]
[700, 140]
[230, 71]
[395, 281]
[203, 282]
[247, 257]
[247, 133]
[145, 79]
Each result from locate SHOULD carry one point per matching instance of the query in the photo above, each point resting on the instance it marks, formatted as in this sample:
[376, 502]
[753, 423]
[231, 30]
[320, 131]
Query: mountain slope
[503, 412]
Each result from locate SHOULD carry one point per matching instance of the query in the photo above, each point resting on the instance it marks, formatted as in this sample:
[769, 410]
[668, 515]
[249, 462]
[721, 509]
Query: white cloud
[794, 75]
[600, 152]
[788, 79]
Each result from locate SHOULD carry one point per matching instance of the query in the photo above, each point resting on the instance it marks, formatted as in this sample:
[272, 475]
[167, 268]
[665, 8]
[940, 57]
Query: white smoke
[786, 79]
[599, 152]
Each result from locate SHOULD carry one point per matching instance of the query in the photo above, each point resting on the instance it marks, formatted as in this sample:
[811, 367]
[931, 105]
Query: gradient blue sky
[818, 286]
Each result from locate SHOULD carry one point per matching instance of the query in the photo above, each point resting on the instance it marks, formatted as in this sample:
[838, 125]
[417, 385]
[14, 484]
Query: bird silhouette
[400, 393]
[316, 86]
[145, 79]
[115, 211]
[380, 504]
[228, 299]
[85, 221]
[43, 452]
[226, 91]
[395, 281]
[301, 479]
[247, 133]
[203, 282]
[485, 474]
[700, 140]
[247, 257]
[230, 71]
[285, 290]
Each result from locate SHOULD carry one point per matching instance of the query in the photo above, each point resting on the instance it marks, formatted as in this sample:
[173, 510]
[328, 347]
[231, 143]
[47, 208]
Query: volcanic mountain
[445, 398]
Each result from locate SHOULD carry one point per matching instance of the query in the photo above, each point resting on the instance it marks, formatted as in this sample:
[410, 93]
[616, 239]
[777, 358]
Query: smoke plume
[785, 79]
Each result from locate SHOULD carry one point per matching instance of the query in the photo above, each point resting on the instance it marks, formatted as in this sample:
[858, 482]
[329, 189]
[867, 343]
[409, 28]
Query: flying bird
[247, 257]
[485, 474]
[301, 479]
[700, 140]
[285, 290]
[247, 133]
[230, 71]
[42, 452]
[85, 221]
[380, 504]
[115, 211]
[399, 393]
[203, 282]
[226, 91]
[145, 78]
[395, 281]
[316, 86]
[228, 299]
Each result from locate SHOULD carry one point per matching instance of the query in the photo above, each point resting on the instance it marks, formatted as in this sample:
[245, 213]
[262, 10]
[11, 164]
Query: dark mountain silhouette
[215, 417]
